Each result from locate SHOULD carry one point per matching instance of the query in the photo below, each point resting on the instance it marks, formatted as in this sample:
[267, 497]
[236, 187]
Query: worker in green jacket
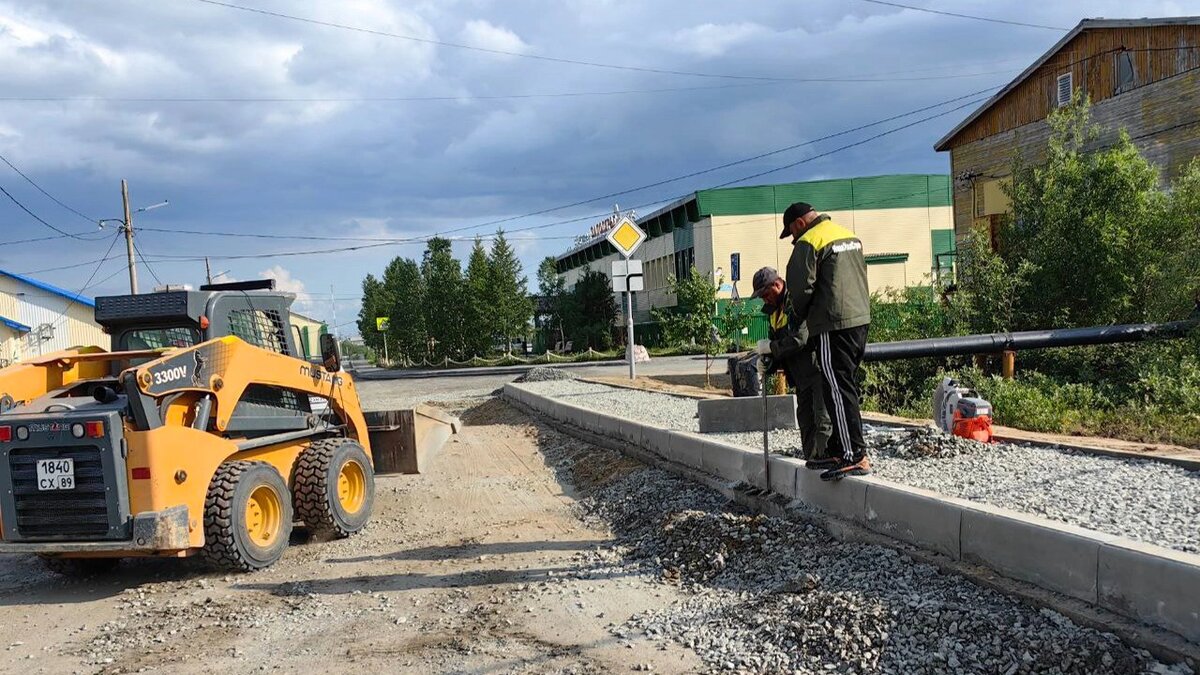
[789, 353]
[827, 288]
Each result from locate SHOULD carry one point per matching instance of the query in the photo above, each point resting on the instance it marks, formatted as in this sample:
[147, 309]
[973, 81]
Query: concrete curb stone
[917, 516]
[1157, 585]
[1046, 553]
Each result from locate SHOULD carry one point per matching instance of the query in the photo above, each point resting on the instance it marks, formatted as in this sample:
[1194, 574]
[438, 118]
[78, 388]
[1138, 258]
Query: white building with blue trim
[38, 318]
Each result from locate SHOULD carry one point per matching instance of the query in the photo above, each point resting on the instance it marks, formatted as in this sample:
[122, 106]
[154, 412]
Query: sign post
[626, 237]
[381, 325]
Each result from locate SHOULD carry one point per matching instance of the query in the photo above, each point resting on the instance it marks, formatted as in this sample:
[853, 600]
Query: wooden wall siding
[1157, 52]
[1163, 120]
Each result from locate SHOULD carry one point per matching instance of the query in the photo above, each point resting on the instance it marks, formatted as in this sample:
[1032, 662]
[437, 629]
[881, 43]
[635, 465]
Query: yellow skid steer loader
[202, 432]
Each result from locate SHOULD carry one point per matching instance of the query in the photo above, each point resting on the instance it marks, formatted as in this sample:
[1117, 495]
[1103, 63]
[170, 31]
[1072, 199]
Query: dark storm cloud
[361, 168]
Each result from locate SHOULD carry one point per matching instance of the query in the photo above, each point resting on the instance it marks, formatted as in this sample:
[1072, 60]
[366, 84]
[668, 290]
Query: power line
[73, 266]
[720, 167]
[251, 256]
[39, 189]
[86, 284]
[37, 217]
[79, 235]
[961, 16]
[502, 52]
[253, 235]
[146, 263]
[877, 78]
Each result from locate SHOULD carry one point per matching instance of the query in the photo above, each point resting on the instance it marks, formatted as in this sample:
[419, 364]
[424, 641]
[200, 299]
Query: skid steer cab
[205, 430]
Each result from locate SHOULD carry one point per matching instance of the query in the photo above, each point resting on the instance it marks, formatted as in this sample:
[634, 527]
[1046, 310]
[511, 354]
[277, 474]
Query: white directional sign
[626, 237]
[627, 276]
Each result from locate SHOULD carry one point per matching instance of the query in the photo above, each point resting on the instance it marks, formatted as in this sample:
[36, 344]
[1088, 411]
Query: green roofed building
[905, 221]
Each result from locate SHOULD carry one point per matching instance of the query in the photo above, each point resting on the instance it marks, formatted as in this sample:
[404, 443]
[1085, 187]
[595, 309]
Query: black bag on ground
[743, 372]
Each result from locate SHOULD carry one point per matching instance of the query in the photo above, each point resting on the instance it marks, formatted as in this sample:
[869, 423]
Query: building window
[1064, 89]
[685, 260]
[1126, 77]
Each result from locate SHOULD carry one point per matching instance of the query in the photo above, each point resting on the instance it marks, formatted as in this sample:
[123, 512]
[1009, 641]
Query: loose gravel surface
[1141, 499]
[769, 595]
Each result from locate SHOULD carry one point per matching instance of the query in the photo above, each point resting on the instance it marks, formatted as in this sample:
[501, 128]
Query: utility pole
[129, 238]
[207, 270]
[333, 308]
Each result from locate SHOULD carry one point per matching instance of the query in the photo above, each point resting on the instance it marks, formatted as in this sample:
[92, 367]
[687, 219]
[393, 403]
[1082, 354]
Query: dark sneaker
[822, 463]
[859, 467]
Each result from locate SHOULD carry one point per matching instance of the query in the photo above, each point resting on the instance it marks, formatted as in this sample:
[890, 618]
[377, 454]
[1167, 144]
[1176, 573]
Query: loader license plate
[56, 474]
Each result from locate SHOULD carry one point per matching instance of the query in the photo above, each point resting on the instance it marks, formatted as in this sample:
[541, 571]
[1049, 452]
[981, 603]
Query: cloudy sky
[260, 125]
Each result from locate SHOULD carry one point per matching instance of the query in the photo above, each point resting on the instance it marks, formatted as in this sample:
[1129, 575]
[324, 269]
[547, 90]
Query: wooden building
[1141, 75]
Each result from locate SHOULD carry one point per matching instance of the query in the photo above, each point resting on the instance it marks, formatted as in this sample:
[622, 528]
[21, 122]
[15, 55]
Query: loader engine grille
[81, 512]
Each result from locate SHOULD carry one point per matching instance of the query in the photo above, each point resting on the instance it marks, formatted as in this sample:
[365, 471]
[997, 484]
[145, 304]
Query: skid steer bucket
[403, 441]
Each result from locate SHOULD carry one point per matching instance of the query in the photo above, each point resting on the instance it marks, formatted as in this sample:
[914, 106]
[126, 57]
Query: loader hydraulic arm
[23, 382]
[224, 367]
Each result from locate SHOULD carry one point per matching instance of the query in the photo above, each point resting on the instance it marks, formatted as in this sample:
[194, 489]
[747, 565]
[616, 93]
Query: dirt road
[481, 565]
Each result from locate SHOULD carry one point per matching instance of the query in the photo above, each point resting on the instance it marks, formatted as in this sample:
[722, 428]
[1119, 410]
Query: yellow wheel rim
[264, 516]
[352, 487]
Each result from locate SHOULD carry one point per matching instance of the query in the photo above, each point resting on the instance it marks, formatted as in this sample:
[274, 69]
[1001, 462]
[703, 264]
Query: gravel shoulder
[480, 565]
[1140, 499]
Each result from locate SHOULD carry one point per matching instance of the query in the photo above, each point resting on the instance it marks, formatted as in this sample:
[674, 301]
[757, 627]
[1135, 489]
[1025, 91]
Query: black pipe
[995, 343]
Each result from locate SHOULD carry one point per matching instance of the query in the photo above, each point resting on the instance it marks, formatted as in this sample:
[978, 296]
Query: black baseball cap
[792, 213]
[763, 278]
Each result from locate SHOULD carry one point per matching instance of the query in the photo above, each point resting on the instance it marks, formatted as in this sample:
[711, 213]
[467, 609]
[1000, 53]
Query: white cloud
[284, 281]
[710, 39]
[486, 35]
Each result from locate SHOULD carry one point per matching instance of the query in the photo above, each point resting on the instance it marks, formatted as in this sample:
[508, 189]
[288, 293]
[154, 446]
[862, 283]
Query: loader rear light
[95, 428]
[5, 434]
[77, 430]
[140, 473]
[22, 433]
[203, 322]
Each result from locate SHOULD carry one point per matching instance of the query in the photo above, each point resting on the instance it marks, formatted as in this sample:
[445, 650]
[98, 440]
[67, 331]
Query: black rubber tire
[227, 544]
[315, 488]
[80, 567]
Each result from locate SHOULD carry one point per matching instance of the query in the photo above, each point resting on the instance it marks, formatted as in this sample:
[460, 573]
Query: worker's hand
[763, 347]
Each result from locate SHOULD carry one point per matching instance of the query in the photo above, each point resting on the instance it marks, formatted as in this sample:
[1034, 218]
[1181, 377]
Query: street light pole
[128, 227]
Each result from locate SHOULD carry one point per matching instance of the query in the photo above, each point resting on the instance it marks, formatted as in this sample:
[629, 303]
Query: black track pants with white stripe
[839, 354]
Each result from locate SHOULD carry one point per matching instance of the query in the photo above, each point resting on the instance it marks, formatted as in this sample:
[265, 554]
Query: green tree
[692, 322]
[551, 290]
[480, 320]
[989, 288]
[1082, 223]
[510, 302]
[373, 305]
[405, 290]
[589, 312]
[443, 307]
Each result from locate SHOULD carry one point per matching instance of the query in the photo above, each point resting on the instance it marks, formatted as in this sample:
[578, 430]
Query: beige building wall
[907, 230]
[310, 329]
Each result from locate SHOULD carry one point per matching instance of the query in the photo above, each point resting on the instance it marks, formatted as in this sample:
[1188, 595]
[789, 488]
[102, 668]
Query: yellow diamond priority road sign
[626, 237]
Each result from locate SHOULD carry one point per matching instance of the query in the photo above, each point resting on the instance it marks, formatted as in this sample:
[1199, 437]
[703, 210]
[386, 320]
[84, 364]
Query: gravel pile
[772, 595]
[544, 374]
[1141, 499]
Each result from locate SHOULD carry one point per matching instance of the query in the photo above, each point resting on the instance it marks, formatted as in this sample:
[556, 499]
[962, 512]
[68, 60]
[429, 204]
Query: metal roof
[15, 325]
[50, 288]
[1086, 24]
